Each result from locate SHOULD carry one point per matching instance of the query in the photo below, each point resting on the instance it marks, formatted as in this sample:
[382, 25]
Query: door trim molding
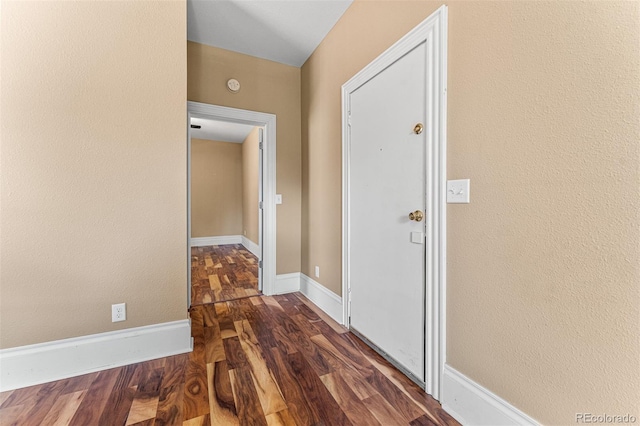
[433, 31]
[268, 234]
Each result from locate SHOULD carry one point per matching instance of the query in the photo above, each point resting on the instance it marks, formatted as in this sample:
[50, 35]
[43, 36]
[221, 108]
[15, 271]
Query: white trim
[46, 362]
[251, 246]
[216, 241]
[433, 31]
[268, 167]
[287, 283]
[322, 297]
[471, 404]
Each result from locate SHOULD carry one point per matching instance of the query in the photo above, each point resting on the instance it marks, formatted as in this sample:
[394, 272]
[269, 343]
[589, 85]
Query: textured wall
[250, 185]
[266, 87]
[93, 153]
[216, 188]
[544, 118]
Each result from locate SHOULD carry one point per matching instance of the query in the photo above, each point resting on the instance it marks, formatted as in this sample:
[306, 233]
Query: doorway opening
[230, 203]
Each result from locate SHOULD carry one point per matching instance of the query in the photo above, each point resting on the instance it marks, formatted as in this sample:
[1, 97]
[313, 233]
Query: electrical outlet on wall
[317, 272]
[118, 312]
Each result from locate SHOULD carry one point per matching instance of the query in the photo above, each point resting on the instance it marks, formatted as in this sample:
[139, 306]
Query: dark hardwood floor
[256, 361]
[221, 273]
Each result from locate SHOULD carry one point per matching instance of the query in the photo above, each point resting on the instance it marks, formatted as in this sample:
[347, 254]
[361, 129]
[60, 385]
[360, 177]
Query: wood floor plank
[235, 355]
[281, 418]
[209, 316]
[299, 408]
[423, 420]
[358, 383]
[147, 395]
[144, 407]
[246, 398]
[4, 396]
[64, 408]
[119, 402]
[283, 341]
[203, 420]
[170, 403]
[383, 411]
[399, 400]
[214, 349]
[268, 392]
[353, 407]
[315, 392]
[93, 403]
[12, 415]
[21, 396]
[43, 401]
[196, 398]
[222, 408]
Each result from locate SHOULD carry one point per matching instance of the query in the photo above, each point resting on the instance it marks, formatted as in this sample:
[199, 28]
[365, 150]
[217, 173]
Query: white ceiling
[285, 31]
[220, 130]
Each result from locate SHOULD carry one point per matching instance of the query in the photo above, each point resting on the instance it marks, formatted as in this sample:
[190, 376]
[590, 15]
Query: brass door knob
[418, 129]
[417, 216]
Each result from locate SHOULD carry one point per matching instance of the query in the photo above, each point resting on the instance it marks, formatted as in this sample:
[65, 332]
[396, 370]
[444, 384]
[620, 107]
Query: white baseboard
[287, 283]
[46, 362]
[216, 241]
[251, 246]
[322, 297]
[471, 404]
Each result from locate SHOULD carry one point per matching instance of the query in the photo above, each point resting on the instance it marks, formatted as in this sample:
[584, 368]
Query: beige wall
[93, 165]
[250, 185]
[543, 273]
[266, 87]
[216, 188]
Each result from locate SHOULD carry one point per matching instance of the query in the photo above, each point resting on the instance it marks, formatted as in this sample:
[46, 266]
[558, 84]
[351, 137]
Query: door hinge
[260, 264]
[261, 145]
[261, 205]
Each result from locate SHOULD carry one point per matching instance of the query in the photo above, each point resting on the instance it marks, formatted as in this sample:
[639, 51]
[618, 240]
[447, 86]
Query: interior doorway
[230, 203]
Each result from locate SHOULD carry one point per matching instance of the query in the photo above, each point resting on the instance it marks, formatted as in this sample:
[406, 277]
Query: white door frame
[433, 30]
[268, 122]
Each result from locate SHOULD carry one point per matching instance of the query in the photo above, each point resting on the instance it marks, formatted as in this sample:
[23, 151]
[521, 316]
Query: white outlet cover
[317, 272]
[458, 191]
[118, 312]
[278, 198]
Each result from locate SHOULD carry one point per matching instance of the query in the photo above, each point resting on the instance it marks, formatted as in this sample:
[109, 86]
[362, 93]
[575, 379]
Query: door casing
[268, 176]
[432, 31]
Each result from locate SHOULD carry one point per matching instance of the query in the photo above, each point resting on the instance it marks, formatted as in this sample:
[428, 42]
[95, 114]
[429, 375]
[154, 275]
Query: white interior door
[387, 182]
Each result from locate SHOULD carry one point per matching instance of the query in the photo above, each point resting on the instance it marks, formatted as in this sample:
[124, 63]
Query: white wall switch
[118, 312]
[458, 191]
[278, 198]
[317, 272]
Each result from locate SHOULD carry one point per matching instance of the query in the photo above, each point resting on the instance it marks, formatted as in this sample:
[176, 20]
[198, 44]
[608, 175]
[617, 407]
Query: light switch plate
[458, 191]
[278, 198]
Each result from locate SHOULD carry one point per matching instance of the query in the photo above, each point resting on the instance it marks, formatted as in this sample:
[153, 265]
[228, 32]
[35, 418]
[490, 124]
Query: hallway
[256, 361]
